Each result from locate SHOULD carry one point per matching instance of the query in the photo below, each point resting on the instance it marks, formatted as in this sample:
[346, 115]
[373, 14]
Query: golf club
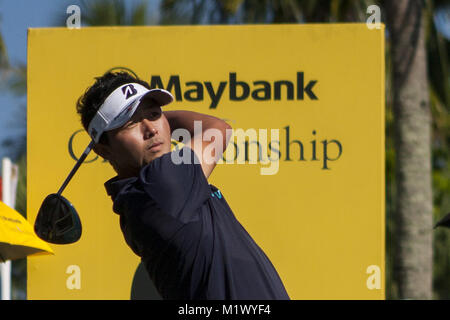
[57, 220]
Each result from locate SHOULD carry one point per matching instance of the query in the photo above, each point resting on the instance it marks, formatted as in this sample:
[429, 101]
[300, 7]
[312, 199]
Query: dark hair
[94, 96]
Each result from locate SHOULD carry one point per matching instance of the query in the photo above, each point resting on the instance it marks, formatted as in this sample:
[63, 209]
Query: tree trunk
[412, 135]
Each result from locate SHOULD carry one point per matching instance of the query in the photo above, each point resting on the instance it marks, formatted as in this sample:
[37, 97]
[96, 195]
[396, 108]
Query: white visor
[120, 106]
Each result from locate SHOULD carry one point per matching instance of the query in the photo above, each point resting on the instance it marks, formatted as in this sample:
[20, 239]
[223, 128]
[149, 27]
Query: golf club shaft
[77, 165]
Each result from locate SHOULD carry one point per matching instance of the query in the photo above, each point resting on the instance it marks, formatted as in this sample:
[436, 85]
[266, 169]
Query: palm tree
[412, 136]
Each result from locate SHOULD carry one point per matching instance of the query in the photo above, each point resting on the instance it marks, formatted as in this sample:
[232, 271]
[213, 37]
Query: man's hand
[208, 144]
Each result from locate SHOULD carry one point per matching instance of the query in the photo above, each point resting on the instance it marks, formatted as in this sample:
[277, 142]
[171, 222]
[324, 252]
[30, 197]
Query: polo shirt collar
[115, 185]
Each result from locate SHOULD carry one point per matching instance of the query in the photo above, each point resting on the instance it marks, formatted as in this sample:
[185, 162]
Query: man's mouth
[155, 146]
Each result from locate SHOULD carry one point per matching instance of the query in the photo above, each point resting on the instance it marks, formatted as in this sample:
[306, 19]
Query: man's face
[145, 137]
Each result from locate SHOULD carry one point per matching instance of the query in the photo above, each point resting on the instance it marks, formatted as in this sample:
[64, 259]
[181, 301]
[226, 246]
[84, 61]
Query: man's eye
[154, 115]
[130, 124]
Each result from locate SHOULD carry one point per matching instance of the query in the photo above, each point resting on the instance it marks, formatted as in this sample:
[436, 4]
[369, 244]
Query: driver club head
[57, 221]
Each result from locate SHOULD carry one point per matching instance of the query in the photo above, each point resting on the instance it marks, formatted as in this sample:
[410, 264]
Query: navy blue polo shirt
[190, 242]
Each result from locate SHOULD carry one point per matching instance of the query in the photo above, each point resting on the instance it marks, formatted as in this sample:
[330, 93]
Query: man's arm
[218, 140]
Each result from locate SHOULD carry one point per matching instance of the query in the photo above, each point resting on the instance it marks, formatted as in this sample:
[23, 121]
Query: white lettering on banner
[74, 20]
[373, 22]
[74, 280]
[274, 164]
[374, 280]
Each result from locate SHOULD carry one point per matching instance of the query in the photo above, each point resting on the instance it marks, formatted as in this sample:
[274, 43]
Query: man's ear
[102, 150]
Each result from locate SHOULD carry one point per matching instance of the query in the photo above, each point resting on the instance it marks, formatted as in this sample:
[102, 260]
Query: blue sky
[16, 16]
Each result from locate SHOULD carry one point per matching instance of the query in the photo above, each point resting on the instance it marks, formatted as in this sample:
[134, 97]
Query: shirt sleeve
[175, 181]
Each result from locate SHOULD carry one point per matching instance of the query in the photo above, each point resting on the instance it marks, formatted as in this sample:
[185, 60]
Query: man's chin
[155, 155]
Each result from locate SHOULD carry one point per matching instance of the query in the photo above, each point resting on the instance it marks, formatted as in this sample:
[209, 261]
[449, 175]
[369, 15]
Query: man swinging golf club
[190, 242]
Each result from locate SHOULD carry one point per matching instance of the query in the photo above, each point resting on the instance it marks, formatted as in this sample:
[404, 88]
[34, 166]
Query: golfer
[189, 240]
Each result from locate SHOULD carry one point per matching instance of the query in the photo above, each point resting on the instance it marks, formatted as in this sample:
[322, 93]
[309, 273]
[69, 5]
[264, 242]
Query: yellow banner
[304, 173]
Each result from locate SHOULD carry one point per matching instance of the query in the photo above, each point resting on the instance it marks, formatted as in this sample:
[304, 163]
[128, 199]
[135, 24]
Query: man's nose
[149, 128]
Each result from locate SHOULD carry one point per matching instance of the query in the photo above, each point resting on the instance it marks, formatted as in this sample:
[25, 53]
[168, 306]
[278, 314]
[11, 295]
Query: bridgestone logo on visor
[129, 91]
